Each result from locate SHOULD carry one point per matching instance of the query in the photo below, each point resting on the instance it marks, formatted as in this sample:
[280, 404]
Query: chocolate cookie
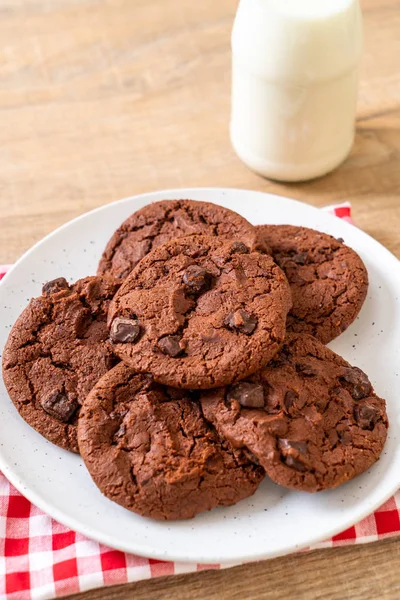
[160, 222]
[309, 418]
[329, 281]
[56, 351]
[200, 312]
[149, 448]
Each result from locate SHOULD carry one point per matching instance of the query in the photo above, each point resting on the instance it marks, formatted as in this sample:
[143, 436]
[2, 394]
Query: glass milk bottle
[294, 85]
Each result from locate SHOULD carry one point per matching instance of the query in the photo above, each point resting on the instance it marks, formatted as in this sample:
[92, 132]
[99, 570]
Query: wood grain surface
[101, 99]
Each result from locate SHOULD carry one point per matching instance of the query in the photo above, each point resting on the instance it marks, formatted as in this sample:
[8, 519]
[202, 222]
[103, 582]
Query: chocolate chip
[249, 395]
[300, 258]
[287, 445]
[197, 279]
[110, 361]
[58, 405]
[340, 240]
[241, 320]
[285, 352]
[290, 398]
[239, 248]
[294, 463]
[294, 276]
[345, 437]
[54, 286]
[252, 457]
[124, 331]
[366, 415]
[170, 345]
[305, 370]
[281, 359]
[360, 386]
[292, 452]
[336, 392]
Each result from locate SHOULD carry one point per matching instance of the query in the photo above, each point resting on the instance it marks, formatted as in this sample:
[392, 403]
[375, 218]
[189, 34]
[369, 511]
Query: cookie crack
[168, 217]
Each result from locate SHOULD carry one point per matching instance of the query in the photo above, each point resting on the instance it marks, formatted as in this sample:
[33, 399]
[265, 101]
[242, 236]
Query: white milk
[294, 85]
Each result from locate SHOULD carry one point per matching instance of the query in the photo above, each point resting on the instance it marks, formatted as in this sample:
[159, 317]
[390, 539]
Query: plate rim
[169, 191]
[141, 548]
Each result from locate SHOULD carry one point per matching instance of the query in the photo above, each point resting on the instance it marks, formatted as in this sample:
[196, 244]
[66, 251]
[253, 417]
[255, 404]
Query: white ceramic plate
[274, 521]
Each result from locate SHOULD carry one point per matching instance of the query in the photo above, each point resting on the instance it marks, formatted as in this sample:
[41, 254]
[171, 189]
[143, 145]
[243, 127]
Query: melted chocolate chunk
[300, 258]
[345, 437]
[291, 454]
[197, 279]
[305, 370]
[124, 331]
[170, 345]
[252, 457]
[54, 286]
[360, 386]
[249, 395]
[110, 361]
[290, 398]
[58, 405]
[239, 248]
[366, 415]
[295, 463]
[241, 320]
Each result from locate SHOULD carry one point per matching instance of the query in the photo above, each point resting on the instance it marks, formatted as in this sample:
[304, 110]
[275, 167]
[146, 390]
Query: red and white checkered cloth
[41, 559]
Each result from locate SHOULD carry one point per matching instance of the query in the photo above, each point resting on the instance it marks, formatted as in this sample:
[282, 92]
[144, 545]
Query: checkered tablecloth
[41, 559]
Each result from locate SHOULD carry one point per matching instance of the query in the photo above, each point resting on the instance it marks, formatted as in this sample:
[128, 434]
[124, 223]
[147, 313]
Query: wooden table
[101, 99]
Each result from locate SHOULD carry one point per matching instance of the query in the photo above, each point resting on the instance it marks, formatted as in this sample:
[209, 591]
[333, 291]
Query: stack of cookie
[194, 363]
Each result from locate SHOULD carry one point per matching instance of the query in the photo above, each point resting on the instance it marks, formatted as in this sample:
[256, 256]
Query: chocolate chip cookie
[309, 418]
[329, 281]
[56, 351]
[200, 312]
[149, 448]
[160, 222]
